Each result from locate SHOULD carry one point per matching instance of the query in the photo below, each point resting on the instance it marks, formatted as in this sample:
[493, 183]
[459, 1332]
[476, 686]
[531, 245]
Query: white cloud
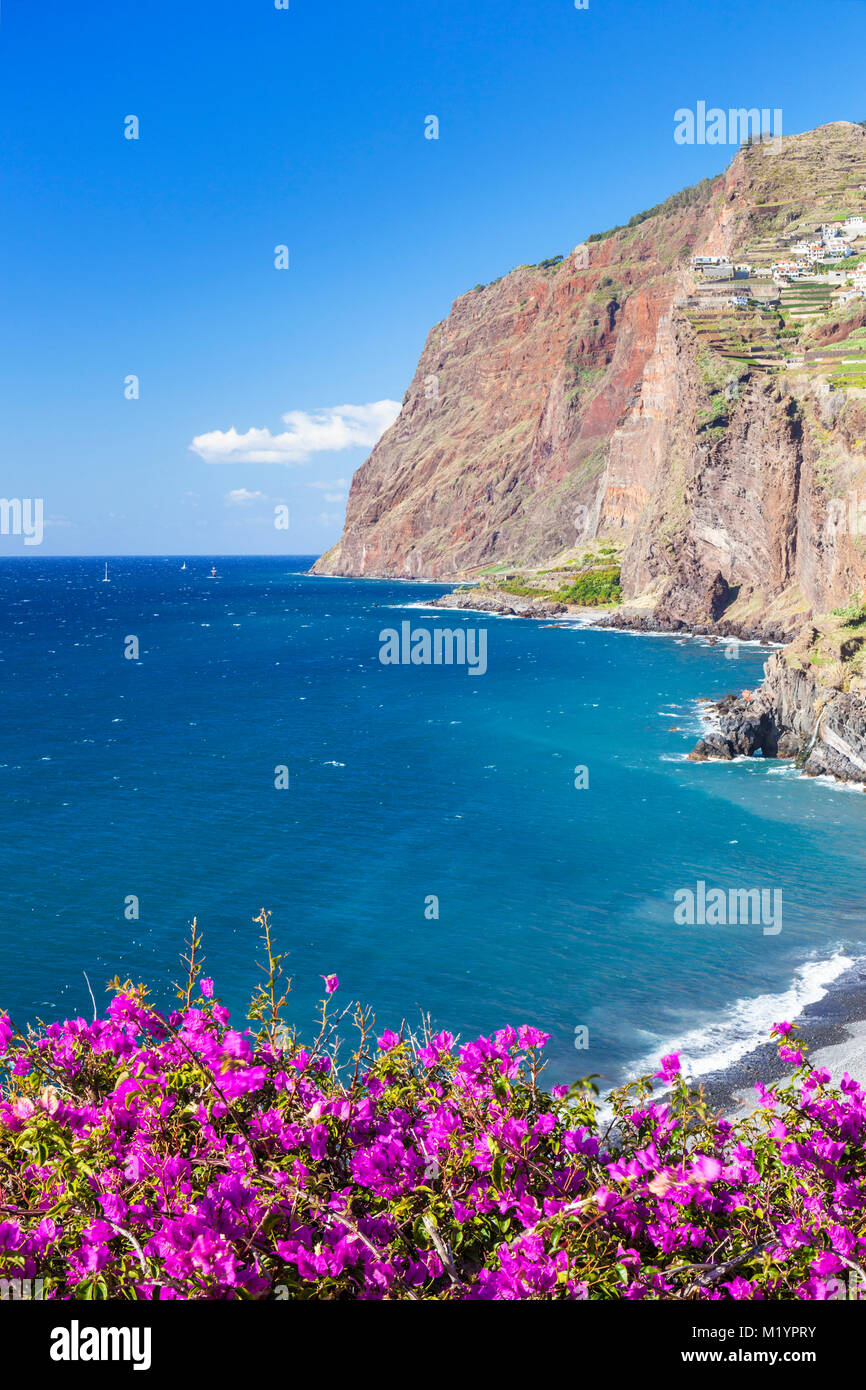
[321, 431]
[334, 492]
[240, 496]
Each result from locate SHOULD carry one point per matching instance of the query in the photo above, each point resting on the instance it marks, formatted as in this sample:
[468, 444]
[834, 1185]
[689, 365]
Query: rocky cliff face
[601, 400]
[792, 715]
[568, 402]
[502, 442]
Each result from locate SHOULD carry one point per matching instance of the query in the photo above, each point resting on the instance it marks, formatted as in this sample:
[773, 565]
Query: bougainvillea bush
[145, 1156]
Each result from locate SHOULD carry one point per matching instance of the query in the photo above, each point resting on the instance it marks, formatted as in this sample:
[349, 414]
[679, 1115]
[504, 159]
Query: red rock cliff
[567, 402]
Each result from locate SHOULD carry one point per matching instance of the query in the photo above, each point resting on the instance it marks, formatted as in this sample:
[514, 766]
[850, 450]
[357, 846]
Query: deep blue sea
[155, 778]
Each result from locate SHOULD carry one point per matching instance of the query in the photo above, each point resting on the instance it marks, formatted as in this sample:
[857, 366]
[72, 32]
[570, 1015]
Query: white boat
[183, 566]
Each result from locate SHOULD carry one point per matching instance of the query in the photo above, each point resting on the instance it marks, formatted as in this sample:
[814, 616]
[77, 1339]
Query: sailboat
[183, 566]
[106, 580]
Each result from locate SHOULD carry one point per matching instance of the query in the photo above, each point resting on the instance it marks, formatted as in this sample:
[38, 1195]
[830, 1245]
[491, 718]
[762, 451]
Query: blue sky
[262, 127]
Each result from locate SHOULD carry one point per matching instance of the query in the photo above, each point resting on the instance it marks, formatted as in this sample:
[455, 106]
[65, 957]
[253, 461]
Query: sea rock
[791, 715]
[502, 604]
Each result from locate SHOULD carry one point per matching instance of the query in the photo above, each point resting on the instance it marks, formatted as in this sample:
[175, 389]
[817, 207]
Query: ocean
[431, 847]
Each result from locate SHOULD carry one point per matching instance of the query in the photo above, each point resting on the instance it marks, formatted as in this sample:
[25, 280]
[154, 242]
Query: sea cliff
[615, 411]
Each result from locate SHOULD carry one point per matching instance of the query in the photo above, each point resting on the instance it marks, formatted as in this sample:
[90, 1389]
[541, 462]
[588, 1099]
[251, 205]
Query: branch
[443, 1251]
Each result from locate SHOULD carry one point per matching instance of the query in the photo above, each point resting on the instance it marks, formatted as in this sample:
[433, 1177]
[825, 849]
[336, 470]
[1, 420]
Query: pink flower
[389, 1040]
[331, 983]
[670, 1068]
[705, 1169]
[206, 987]
[739, 1288]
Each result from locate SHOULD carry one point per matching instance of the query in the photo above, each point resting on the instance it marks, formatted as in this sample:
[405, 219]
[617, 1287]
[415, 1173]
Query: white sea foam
[420, 603]
[833, 783]
[746, 1023]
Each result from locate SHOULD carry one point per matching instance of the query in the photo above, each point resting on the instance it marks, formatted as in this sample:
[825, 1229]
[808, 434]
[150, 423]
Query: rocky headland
[810, 707]
[613, 428]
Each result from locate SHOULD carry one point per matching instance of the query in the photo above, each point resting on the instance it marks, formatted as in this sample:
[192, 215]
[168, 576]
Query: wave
[746, 1024]
[832, 783]
[476, 612]
[437, 608]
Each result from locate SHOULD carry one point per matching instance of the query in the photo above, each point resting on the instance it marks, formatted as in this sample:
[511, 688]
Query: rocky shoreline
[791, 715]
[500, 604]
[833, 1028]
[770, 634]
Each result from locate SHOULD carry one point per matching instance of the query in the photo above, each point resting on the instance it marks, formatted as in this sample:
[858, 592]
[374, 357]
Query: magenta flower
[740, 1288]
[704, 1169]
[670, 1068]
[532, 1037]
[268, 1165]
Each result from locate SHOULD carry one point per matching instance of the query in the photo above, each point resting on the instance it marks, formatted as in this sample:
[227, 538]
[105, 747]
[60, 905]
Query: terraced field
[804, 301]
[845, 364]
[745, 337]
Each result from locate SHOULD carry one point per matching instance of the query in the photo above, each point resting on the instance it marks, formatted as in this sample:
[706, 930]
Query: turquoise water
[155, 778]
